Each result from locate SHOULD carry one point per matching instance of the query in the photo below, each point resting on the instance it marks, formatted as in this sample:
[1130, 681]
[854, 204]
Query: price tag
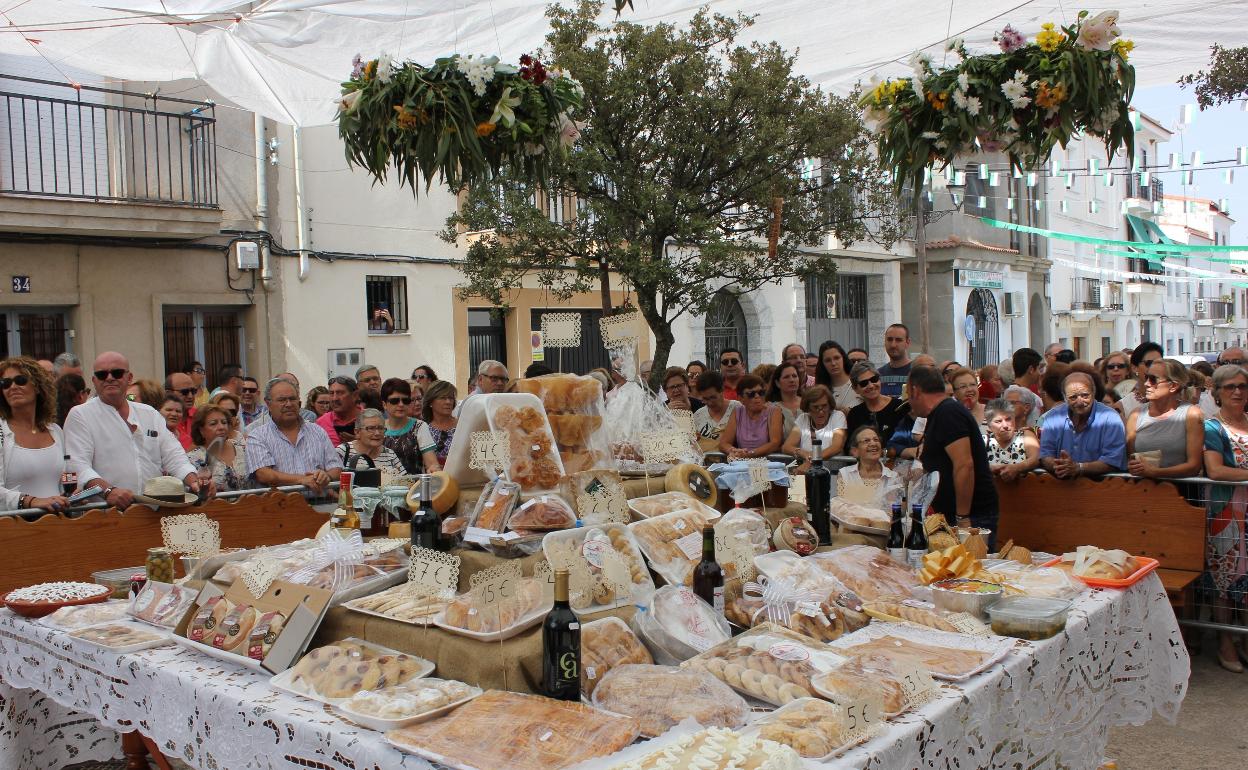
[620, 330]
[490, 451]
[684, 420]
[604, 502]
[616, 575]
[545, 573]
[760, 478]
[561, 330]
[691, 546]
[432, 573]
[862, 717]
[259, 576]
[917, 685]
[658, 446]
[496, 584]
[191, 534]
[735, 555]
[968, 624]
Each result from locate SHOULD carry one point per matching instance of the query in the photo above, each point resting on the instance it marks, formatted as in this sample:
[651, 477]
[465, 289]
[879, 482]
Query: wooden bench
[56, 548]
[1140, 516]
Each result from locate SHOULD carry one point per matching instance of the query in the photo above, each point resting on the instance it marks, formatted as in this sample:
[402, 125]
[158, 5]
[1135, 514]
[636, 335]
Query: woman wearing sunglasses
[1168, 426]
[754, 428]
[32, 447]
[877, 410]
[1226, 552]
[406, 436]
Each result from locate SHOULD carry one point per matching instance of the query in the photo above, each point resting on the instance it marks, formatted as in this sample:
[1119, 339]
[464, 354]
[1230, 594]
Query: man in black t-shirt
[953, 445]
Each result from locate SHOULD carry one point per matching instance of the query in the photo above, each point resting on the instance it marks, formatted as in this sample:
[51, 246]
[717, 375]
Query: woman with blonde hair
[146, 392]
[32, 446]
[1167, 425]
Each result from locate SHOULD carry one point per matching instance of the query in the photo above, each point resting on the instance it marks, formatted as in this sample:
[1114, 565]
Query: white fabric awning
[286, 58]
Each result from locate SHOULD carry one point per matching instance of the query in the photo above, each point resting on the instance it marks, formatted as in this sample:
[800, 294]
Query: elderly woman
[786, 393]
[1168, 425]
[755, 427]
[439, 415]
[1115, 368]
[1226, 459]
[877, 410]
[1027, 406]
[319, 401]
[966, 391]
[860, 482]
[217, 450]
[676, 388]
[229, 402]
[1012, 451]
[406, 436]
[370, 434]
[32, 447]
[417, 407]
[820, 420]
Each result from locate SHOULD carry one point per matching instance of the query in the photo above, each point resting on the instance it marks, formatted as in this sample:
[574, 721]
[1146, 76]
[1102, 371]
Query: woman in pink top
[755, 428]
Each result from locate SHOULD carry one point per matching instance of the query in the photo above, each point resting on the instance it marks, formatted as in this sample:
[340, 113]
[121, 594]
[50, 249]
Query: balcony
[88, 161]
[1213, 312]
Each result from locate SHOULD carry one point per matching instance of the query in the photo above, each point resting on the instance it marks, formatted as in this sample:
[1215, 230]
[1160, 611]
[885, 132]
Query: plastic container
[138, 637]
[1029, 617]
[606, 643]
[284, 682]
[382, 724]
[672, 543]
[974, 603]
[83, 615]
[524, 610]
[679, 625]
[667, 502]
[571, 543]
[118, 579]
[808, 726]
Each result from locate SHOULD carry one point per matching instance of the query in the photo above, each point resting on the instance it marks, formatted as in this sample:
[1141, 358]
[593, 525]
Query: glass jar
[159, 565]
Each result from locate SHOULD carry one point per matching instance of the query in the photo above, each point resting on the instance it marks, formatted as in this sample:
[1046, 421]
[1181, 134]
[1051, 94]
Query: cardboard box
[303, 606]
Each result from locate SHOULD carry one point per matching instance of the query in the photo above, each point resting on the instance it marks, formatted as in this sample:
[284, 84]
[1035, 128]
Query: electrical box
[247, 255]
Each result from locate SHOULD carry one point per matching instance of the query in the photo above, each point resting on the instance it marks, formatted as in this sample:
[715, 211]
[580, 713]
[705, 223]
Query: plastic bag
[576, 411]
[494, 506]
[679, 625]
[661, 696]
[780, 602]
[770, 663]
[867, 571]
[746, 524]
[633, 411]
[605, 644]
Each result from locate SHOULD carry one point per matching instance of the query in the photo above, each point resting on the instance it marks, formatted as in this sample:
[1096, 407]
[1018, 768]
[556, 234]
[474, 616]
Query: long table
[1120, 661]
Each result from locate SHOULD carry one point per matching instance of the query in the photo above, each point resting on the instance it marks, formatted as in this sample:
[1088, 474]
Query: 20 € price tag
[496, 584]
[917, 685]
[862, 717]
[432, 573]
[659, 446]
[191, 534]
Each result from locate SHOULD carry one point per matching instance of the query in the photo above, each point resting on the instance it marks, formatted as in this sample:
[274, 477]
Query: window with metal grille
[211, 336]
[487, 337]
[385, 303]
[34, 333]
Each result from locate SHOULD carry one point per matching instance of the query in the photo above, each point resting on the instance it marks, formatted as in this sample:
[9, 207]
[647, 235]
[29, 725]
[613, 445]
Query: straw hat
[166, 492]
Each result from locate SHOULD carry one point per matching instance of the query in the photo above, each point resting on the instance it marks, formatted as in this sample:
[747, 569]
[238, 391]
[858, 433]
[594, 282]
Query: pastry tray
[159, 640]
[686, 502]
[641, 592]
[1147, 565]
[423, 622]
[755, 727]
[860, 528]
[381, 724]
[117, 606]
[281, 682]
[526, 622]
[997, 647]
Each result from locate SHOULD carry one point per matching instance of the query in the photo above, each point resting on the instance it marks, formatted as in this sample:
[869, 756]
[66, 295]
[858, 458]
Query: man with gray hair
[285, 449]
[369, 379]
[491, 378]
[1082, 436]
[66, 363]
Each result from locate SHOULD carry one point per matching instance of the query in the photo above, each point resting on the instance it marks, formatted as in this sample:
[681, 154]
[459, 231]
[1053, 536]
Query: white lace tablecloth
[1050, 704]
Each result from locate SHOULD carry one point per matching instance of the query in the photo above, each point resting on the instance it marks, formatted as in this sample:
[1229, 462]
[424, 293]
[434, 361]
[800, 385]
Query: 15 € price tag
[490, 450]
[191, 534]
[432, 573]
[496, 584]
[917, 685]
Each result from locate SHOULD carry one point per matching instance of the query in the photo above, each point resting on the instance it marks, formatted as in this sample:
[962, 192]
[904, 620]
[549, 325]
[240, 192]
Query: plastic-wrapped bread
[464, 612]
[535, 463]
[605, 644]
[672, 543]
[768, 662]
[661, 696]
[867, 571]
[717, 748]
[575, 409]
[544, 512]
[863, 676]
[813, 728]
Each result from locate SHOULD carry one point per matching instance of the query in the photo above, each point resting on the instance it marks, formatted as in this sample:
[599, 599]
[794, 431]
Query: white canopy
[286, 58]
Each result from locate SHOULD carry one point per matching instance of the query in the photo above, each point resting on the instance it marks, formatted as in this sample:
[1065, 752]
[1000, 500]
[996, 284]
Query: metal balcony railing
[87, 143]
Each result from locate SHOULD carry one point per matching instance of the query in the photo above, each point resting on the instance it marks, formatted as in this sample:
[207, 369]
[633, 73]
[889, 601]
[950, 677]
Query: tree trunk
[604, 283]
[662, 330]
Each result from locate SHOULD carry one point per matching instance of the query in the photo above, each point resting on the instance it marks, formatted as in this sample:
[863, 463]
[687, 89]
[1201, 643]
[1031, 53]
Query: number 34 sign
[21, 284]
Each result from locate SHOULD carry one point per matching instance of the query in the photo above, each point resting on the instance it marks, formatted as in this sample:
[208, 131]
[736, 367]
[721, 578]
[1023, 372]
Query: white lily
[504, 110]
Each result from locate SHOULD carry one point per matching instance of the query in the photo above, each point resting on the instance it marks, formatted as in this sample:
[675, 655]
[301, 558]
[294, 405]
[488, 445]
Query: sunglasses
[1233, 361]
[6, 382]
[869, 381]
[103, 374]
[421, 377]
[729, 361]
[398, 400]
[1153, 379]
[246, 390]
[1115, 366]
[752, 393]
[1235, 386]
[183, 391]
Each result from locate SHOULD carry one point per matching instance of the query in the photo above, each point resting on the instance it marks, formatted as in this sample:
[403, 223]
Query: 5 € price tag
[862, 717]
[432, 573]
[490, 451]
[735, 554]
[917, 685]
[496, 584]
[191, 534]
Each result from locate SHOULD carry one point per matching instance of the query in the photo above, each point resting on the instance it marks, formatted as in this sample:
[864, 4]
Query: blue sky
[1216, 133]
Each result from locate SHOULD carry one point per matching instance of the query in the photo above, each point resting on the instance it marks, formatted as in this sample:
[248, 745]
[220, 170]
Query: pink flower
[357, 67]
[1099, 32]
[569, 130]
[1009, 39]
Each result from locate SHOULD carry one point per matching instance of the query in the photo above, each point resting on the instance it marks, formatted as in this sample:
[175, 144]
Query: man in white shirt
[118, 445]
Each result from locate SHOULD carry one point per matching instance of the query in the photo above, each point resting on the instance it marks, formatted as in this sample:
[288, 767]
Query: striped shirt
[268, 447]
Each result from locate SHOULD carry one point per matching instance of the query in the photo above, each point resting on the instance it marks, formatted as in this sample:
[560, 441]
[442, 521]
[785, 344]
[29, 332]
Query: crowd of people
[1133, 411]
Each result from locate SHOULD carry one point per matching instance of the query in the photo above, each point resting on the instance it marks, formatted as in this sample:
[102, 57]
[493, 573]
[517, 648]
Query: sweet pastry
[939, 534]
[867, 571]
[162, 604]
[73, 618]
[717, 748]
[546, 512]
[685, 623]
[858, 514]
[769, 663]
[401, 604]
[1014, 552]
[209, 615]
[495, 505]
[662, 696]
[464, 612]
[534, 463]
[342, 669]
[813, 728]
[950, 662]
[409, 699]
[264, 634]
[910, 611]
[863, 675]
[518, 732]
[605, 644]
[672, 543]
[235, 628]
[43, 599]
[1091, 562]
[825, 623]
[116, 636]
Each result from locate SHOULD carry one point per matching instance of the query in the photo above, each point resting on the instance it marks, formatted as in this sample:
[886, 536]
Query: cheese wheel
[693, 480]
[445, 493]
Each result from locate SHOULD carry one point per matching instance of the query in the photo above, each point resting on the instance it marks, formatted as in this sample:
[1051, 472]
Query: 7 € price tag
[191, 534]
[490, 451]
[917, 685]
[432, 573]
[862, 717]
[496, 584]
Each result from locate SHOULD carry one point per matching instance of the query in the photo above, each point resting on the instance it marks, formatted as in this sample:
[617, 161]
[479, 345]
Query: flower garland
[463, 119]
[1022, 101]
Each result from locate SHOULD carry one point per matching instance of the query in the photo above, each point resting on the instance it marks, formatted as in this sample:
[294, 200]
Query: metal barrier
[234, 495]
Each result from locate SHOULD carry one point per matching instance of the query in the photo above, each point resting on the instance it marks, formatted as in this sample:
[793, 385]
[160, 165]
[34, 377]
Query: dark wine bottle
[819, 494]
[561, 646]
[897, 538]
[426, 529]
[916, 541]
[708, 576]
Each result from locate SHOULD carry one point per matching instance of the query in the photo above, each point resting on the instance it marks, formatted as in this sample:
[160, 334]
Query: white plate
[528, 621]
[160, 638]
[382, 724]
[282, 682]
[862, 528]
[641, 592]
[423, 622]
[997, 647]
[682, 502]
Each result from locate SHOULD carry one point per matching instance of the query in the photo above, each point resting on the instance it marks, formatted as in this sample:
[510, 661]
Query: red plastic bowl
[29, 609]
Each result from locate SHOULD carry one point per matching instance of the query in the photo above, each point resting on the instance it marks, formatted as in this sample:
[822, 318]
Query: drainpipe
[302, 238]
[262, 201]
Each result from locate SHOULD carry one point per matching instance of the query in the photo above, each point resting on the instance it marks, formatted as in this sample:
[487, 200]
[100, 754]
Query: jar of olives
[159, 565]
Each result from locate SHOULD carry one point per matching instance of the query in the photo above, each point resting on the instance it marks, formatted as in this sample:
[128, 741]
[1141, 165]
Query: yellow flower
[1049, 97]
[897, 86]
[486, 128]
[370, 70]
[410, 119]
[1123, 47]
[1049, 38]
[938, 100]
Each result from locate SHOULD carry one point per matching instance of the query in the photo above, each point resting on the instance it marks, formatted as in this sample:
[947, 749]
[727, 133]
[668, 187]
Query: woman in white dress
[862, 483]
[819, 419]
[32, 447]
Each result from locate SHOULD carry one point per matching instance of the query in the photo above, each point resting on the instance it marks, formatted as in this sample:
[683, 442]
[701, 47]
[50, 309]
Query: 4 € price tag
[432, 573]
[489, 451]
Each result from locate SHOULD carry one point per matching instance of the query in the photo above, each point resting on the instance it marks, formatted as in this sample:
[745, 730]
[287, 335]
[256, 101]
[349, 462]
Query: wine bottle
[818, 494]
[426, 529]
[897, 538]
[916, 542]
[708, 576]
[561, 646]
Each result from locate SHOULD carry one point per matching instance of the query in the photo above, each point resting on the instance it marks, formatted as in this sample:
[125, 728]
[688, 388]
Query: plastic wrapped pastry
[534, 462]
[83, 615]
[717, 748]
[813, 728]
[945, 662]
[823, 622]
[162, 604]
[495, 504]
[667, 502]
[863, 676]
[344, 668]
[517, 732]
[745, 524]
[412, 698]
[465, 613]
[679, 625]
[661, 696]
[605, 644]
[544, 512]
[770, 663]
[672, 543]
[632, 412]
[588, 546]
[867, 571]
[910, 611]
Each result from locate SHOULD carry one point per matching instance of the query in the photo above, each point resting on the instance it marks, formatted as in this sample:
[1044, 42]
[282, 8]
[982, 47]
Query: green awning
[1148, 231]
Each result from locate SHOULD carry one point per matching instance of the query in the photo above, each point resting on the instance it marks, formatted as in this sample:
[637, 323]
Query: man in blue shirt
[1082, 436]
[893, 374]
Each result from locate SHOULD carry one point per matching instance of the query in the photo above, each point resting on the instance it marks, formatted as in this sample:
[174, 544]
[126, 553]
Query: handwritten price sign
[734, 552]
[432, 573]
[659, 446]
[261, 575]
[862, 717]
[191, 534]
[759, 479]
[496, 584]
[917, 686]
[490, 451]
